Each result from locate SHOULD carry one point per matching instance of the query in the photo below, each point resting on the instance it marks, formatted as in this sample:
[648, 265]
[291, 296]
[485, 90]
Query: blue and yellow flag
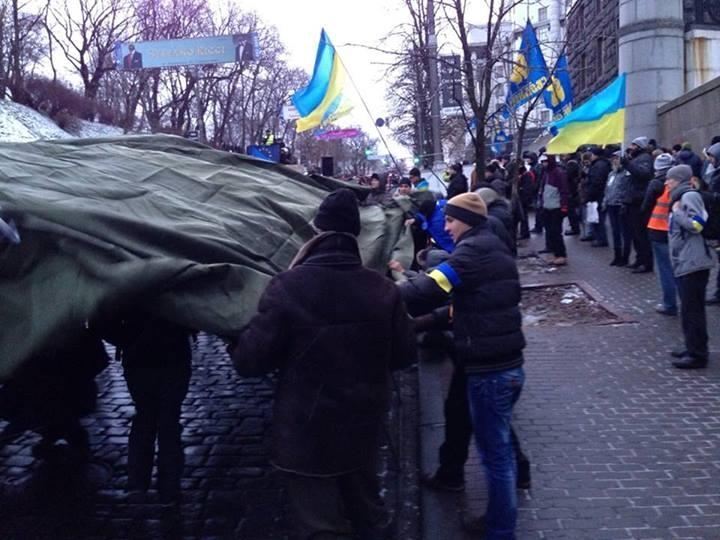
[322, 100]
[559, 95]
[530, 73]
[600, 120]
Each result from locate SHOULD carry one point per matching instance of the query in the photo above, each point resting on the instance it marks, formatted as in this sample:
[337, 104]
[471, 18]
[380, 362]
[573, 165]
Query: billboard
[185, 52]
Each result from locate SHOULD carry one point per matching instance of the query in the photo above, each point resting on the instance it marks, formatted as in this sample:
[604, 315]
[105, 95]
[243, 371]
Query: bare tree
[408, 69]
[86, 32]
[22, 46]
[170, 91]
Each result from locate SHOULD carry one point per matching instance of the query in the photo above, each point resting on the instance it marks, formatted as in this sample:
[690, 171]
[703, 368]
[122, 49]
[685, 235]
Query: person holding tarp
[157, 364]
[481, 279]
[52, 391]
[333, 330]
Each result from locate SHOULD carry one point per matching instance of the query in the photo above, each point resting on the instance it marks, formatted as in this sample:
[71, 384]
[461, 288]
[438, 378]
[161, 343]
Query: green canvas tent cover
[159, 222]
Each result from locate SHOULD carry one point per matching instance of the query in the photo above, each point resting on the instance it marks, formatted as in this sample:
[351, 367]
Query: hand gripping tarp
[158, 222]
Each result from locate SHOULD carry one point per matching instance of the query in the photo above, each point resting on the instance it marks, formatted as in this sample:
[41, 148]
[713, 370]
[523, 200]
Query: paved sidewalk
[229, 489]
[623, 446]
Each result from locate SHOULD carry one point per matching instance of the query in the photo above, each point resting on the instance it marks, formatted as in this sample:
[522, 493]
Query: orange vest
[659, 218]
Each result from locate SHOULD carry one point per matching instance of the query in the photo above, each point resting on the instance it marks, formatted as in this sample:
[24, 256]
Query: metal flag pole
[367, 109]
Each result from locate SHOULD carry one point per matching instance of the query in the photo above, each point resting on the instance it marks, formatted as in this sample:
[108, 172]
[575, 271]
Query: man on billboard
[132, 60]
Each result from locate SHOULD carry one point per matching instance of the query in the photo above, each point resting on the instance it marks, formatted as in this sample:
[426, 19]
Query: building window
[542, 14]
[544, 116]
[583, 70]
[599, 58]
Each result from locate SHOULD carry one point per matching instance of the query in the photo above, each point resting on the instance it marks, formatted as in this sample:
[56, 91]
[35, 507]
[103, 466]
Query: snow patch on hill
[19, 123]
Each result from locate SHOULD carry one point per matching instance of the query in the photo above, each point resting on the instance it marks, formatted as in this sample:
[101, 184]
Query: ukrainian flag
[600, 120]
[322, 100]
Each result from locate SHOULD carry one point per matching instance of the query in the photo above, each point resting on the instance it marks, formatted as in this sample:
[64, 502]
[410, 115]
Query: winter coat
[555, 193]
[333, 330]
[655, 189]
[501, 222]
[526, 188]
[641, 172]
[432, 221]
[688, 157]
[458, 184]
[617, 191]
[573, 171]
[482, 279]
[596, 180]
[714, 180]
[688, 250]
[379, 196]
[57, 385]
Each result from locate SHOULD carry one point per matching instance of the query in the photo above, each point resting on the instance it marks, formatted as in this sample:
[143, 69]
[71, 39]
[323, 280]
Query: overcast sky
[346, 21]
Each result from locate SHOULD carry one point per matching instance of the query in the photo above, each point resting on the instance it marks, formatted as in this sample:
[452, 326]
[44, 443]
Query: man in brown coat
[334, 330]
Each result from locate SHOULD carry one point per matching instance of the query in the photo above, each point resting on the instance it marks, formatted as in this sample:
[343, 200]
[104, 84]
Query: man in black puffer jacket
[458, 181]
[481, 278]
[594, 189]
[639, 164]
[334, 330]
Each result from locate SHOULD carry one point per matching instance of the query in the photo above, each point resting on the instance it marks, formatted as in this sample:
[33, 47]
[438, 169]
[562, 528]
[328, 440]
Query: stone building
[592, 45]
[667, 48]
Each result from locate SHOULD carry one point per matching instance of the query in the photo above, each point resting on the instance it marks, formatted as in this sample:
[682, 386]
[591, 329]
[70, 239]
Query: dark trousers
[539, 220]
[525, 221]
[599, 230]
[553, 232]
[574, 216]
[158, 393]
[621, 232]
[641, 240]
[453, 451]
[348, 506]
[692, 310]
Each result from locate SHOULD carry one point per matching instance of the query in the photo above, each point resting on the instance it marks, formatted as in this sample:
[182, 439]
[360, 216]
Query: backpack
[711, 200]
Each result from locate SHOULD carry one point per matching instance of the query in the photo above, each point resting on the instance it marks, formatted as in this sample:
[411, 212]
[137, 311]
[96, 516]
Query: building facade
[667, 48]
[592, 45]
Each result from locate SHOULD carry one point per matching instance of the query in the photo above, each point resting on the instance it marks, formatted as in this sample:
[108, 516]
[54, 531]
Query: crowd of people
[333, 382]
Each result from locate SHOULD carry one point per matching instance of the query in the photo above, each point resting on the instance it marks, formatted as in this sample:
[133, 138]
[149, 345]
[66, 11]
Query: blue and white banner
[559, 95]
[185, 52]
[529, 74]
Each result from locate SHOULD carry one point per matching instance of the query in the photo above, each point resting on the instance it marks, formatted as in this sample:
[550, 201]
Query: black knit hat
[339, 212]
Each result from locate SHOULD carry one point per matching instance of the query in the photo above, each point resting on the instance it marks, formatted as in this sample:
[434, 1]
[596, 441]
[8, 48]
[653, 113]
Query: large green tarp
[158, 222]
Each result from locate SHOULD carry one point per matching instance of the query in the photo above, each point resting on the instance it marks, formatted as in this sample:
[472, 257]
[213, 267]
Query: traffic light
[368, 152]
[416, 160]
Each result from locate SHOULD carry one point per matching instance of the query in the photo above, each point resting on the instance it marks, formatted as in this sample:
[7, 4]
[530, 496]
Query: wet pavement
[622, 445]
[229, 490]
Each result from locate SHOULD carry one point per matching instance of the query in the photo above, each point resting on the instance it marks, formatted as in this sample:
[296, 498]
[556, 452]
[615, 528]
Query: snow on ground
[94, 129]
[22, 124]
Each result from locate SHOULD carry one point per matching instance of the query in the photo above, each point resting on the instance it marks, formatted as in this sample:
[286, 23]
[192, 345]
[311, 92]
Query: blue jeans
[492, 397]
[665, 275]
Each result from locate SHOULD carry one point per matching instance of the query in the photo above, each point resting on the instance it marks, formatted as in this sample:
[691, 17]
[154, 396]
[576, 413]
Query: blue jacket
[435, 226]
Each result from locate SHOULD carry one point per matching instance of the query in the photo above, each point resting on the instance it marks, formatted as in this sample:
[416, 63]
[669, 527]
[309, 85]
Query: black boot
[523, 473]
[616, 260]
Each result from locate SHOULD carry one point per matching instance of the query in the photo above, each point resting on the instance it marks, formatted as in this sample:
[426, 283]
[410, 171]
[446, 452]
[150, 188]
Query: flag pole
[367, 109]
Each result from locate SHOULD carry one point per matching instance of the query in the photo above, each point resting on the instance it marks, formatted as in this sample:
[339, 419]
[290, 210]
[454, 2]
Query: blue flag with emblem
[529, 74]
[559, 95]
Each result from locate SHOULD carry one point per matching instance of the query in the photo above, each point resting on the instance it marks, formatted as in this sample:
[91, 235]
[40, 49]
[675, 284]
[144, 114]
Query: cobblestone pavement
[622, 444]
[229, 491]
